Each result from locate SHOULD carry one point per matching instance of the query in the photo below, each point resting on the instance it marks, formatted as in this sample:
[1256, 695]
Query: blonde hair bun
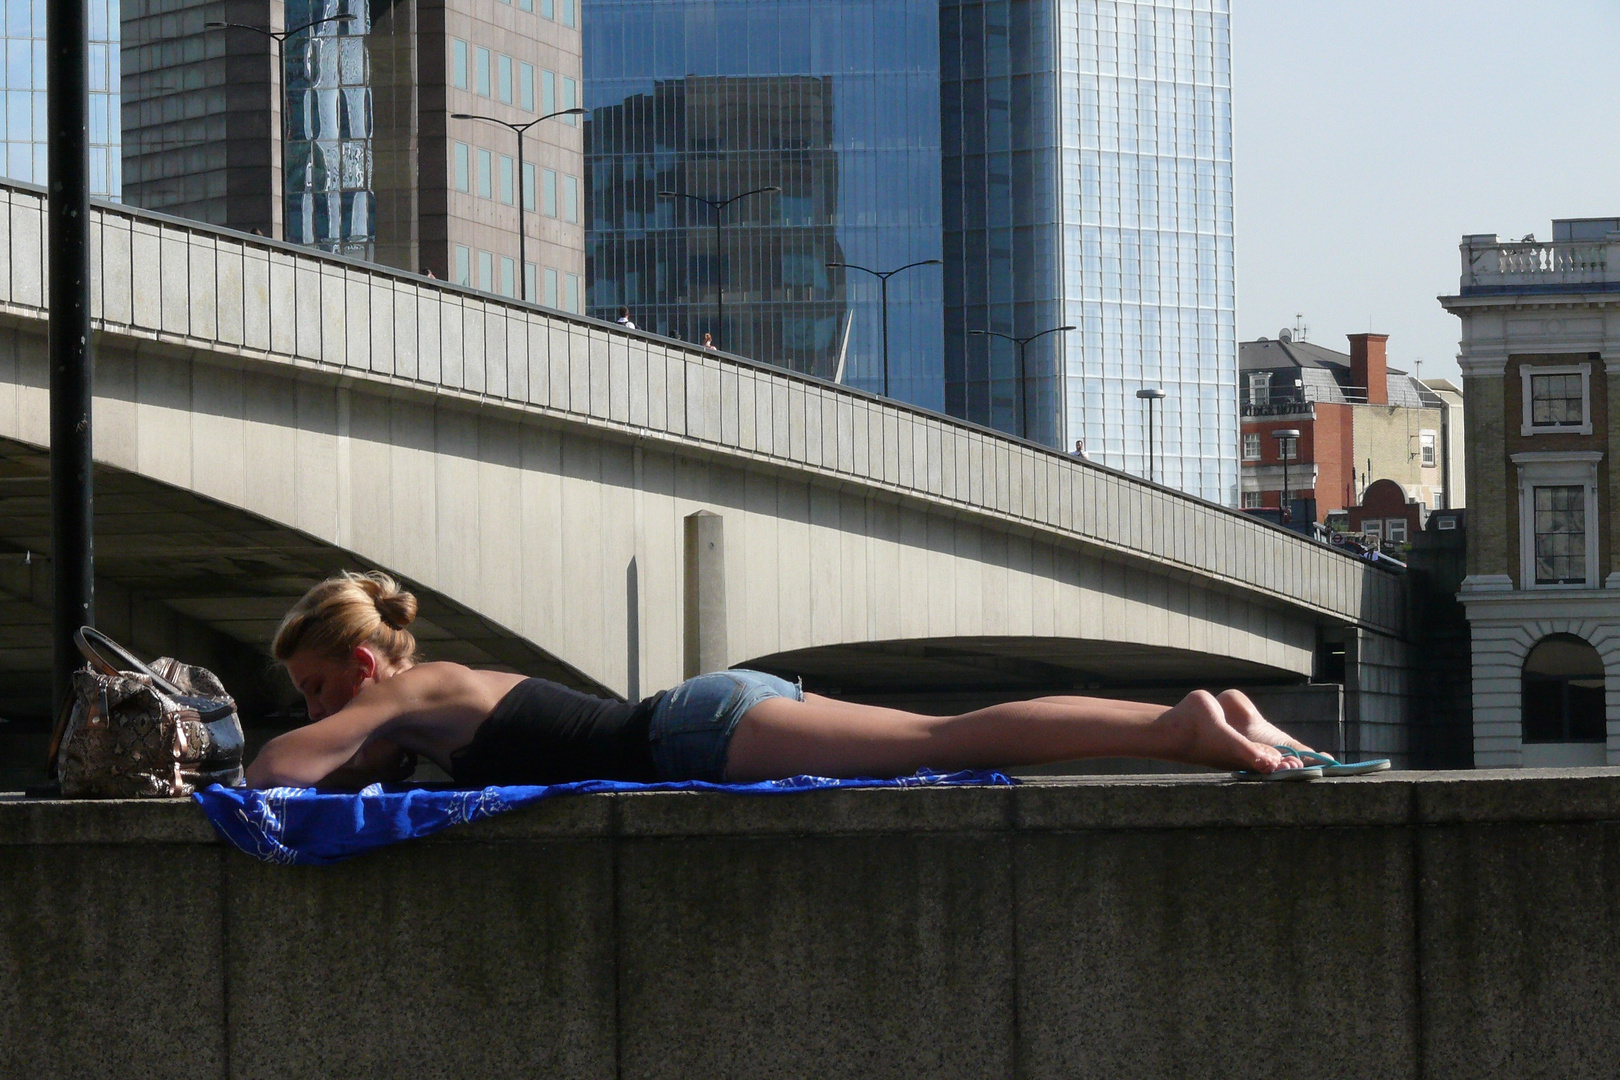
[348, 610]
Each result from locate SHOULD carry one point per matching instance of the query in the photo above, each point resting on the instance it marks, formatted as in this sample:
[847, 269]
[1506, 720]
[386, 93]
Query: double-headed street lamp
[280, 38]
[1150, 394]
[1023, 384]
[520, 130]
[718, 206]
[1287, 440]
[883, 277]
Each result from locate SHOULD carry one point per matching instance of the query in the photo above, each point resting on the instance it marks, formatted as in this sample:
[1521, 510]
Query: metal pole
[278, 182]
[883, 280]
[67, 83]
[1150, 440]
[523, 222]
[719, 282]
[1023, 392]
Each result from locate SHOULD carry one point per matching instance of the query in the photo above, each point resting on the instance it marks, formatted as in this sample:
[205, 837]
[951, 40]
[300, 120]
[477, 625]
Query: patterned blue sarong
[303, 827]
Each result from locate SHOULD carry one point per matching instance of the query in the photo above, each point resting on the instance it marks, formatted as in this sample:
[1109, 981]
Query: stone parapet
[1410, 925]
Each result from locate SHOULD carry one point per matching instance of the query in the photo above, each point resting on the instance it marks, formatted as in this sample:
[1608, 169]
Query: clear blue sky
[1369, 136]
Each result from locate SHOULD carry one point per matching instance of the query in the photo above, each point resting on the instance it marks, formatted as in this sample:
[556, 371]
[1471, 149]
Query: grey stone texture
[1419, 925]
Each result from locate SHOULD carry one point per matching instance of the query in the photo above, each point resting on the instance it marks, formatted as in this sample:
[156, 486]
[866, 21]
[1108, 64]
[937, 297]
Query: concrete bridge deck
[1416, 925]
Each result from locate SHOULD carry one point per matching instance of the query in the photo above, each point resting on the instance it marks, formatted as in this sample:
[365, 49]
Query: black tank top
[544, 733]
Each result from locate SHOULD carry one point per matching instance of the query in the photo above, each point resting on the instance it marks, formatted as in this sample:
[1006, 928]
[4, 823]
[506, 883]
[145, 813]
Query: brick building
[1539, 334]
[1359, 421]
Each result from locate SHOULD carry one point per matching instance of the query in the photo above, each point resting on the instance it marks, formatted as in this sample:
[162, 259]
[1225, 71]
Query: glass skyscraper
[1069, 160]
[836, 104]
[22, 122]
[1088, 150]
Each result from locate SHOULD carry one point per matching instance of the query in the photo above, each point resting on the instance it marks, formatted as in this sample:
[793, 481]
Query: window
[458, 63]
[1259, 387]
[484, 191]
[1557, 518]
[528, 186]
[1288, 449]
[570, 198]
[1446, 524]
[526, 86]
[486, 271]
[570, 99]
[463, 166]
[1562, 692]
[1395, 530]
[525, 5]
[550, 299]
[1560, 534]
[1426, 455]
[548, 192]
[503, 80]
[508, 195]
[565, 14]
[1556, 399]
[1251, 500]
[547, 11]
[571, 292]
[528, 282]
[548, 92]
[482, 87]
[1373, 527]
[508, 272]
[463, 271]
[1251, 447]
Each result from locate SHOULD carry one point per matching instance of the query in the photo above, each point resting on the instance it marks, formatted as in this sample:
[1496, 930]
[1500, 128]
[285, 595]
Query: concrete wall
[1423, 925]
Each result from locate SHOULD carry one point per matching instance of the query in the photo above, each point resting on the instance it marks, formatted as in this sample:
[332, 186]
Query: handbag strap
[93, 643]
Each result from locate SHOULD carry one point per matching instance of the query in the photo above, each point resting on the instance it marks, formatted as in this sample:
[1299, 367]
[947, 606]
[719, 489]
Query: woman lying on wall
[374, 708]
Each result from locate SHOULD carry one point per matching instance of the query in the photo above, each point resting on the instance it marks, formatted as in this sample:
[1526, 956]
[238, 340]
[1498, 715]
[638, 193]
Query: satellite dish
[1285, 334]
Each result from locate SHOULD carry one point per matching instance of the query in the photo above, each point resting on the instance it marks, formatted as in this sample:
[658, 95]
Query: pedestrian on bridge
[375, 708]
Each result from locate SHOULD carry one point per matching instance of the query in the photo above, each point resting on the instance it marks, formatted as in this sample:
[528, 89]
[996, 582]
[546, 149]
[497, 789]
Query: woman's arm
[319, 752]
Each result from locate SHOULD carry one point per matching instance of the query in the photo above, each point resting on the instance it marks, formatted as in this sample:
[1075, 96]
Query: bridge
[265, 414]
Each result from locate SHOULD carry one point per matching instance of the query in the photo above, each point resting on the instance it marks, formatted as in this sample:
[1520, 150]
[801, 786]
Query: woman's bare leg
[825, 737]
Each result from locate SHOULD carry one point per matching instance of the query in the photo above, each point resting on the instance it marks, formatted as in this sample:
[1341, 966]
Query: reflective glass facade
[331, 196]
[1088, 175]
[835, 103]
[22, 121]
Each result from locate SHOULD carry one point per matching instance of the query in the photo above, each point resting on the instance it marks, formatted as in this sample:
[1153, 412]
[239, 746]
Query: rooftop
[1583, 256]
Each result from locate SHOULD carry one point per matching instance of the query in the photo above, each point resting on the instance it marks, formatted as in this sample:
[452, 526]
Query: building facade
[1359, 422]
[836, 106]
[342, 134]
[1540, 338]
[22, 120]
[1069, 161]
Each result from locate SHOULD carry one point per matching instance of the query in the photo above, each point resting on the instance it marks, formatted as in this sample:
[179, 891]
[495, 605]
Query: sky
[1369, 136]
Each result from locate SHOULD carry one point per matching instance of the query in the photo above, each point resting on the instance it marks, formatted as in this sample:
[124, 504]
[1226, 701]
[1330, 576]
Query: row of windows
[498, 76]
[494, 176]
[562, 11]
[498, 274]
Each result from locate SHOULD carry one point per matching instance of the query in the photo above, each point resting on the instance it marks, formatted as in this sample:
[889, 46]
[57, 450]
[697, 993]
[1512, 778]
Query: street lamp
[883, 277]
[1285, 437]
[280, 38]
[718, 206]
[1150, 394]
[520, 130]
[1023, 388]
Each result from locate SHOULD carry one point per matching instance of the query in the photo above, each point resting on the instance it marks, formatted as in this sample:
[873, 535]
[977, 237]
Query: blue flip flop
[1333, 767]
[1305, 772]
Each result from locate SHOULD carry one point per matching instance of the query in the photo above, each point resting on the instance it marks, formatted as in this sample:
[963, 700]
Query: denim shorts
[691, 728]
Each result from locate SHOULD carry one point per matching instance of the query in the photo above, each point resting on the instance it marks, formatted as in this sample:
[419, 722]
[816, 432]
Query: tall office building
[837, 105]
[1070, 161]
[22, 120]
[341, 134]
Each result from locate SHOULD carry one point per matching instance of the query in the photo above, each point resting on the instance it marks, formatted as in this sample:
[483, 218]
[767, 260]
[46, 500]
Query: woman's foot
[1197, 732]
[1244, 718]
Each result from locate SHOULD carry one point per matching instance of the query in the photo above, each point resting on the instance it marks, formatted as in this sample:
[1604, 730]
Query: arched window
[1563, 692]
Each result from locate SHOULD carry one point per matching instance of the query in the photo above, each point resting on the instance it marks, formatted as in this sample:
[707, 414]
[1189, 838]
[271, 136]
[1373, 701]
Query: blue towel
[303, 827]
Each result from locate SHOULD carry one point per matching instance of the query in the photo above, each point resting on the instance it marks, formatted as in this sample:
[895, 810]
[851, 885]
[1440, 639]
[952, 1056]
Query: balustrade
[1486, 262]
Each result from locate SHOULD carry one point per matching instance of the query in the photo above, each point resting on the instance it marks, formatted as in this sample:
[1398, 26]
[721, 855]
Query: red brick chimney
[1369, 366]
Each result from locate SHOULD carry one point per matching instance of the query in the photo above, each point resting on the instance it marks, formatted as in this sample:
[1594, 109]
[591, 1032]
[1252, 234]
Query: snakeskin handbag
[132, 730]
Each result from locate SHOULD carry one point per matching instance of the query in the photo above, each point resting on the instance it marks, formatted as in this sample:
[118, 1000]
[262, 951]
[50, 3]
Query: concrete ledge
[1409, 925]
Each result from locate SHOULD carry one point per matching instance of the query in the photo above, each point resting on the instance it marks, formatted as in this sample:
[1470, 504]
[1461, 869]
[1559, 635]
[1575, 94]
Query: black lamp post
[1023, 382]
[1287, 439]
[718, 206]
[1150, 394]
[280, 38]
[883, 277]
[520, 130]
